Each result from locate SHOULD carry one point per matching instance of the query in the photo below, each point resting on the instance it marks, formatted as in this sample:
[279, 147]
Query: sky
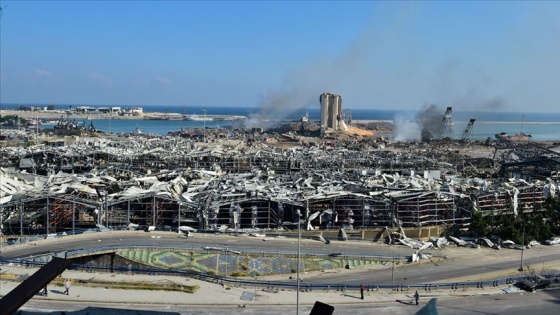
[279, 55]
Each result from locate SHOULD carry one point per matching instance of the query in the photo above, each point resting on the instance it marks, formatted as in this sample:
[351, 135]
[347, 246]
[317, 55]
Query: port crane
[445, 124]
[468, 131]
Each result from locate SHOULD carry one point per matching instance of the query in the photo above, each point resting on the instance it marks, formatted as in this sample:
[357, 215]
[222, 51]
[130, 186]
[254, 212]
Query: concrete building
[331, 112]
[132, 111]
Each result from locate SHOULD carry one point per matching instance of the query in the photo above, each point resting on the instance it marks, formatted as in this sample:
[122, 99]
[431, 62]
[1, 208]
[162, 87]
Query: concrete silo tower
[331, 111]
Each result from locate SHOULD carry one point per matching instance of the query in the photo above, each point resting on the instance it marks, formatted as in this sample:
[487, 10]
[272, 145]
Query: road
[461, 264]
[521, 303]
[451, 263]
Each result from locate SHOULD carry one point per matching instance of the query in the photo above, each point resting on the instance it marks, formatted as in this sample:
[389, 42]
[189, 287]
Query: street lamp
[298, 259]
[393, 266]
[522, 247]
[226, 260]
[1, 220]
[204, 124]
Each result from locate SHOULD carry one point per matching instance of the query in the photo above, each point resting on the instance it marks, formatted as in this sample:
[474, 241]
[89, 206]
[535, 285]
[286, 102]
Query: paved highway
[136, 238]
[543, 302]
[461, 264]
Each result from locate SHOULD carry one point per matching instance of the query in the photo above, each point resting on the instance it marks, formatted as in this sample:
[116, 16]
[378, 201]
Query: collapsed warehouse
[166, 182]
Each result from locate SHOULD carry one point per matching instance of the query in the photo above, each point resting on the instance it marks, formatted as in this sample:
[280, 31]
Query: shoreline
[485, 122]
[177, 116]
[58, 114]
[92, 116]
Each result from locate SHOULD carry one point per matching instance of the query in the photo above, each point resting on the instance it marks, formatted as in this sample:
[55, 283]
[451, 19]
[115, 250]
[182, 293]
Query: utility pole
[107, 208]
[1, 208]
[226, 260]
[204, 124]
[1, 11]
[522, 247]
[393, 267]
[298, 259]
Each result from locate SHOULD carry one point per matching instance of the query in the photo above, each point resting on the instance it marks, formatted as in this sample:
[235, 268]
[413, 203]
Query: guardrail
[96, 250]
[304, 286]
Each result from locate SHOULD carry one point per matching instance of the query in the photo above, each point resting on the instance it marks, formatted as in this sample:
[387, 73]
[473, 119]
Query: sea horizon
[314, 112]
[541, 126]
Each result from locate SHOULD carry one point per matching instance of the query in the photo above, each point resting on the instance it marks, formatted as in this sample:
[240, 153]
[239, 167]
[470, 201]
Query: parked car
[533, 283]
[552, 241]
[13, 241]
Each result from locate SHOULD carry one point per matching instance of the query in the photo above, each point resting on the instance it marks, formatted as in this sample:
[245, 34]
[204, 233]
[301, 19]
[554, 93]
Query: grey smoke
[423, 127]
[430, 119]
[495, 104]
[388, 64]
[279, 104]
[406, 130]
[302, 86]
[477, 97]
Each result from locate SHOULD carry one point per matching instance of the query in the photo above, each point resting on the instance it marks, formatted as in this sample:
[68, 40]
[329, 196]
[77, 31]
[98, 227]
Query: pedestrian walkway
[211, 293]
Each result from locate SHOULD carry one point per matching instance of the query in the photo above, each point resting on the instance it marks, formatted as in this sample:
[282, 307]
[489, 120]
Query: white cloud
[42, 73]
[100, 78]
[142, 82]
[164, 80]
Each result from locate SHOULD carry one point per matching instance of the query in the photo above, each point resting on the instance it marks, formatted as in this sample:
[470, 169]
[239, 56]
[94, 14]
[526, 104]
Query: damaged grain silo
[331, 112]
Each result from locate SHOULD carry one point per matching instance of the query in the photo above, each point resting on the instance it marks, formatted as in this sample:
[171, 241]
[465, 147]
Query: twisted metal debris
[243, 180]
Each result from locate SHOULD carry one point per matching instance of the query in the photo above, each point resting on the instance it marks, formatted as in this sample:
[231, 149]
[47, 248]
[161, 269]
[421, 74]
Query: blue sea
[541, 126]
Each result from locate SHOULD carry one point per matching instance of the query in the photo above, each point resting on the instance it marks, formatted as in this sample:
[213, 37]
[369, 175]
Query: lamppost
[393, 266]
[226, 260]
[298, 259]
[204, 124]
[1, 215]
[522, 247]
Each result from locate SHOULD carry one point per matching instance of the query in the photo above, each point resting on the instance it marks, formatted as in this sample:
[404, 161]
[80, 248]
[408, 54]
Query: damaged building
[331, 112]
[165, 182]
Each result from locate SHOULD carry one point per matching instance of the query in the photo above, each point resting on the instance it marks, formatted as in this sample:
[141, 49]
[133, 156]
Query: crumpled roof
[319, 174]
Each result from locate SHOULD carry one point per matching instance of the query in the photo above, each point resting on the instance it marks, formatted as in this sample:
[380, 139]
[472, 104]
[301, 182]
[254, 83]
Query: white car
[552, 241]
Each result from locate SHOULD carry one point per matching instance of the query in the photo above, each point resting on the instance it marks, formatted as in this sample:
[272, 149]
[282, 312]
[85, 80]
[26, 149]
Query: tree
[551, 215]
[479, 224]
[539, 225]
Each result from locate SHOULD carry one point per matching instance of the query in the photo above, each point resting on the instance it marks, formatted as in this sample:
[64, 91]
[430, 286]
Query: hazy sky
[471, 55]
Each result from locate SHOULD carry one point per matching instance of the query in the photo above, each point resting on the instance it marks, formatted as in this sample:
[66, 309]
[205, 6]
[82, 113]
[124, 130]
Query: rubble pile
[246, 180]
